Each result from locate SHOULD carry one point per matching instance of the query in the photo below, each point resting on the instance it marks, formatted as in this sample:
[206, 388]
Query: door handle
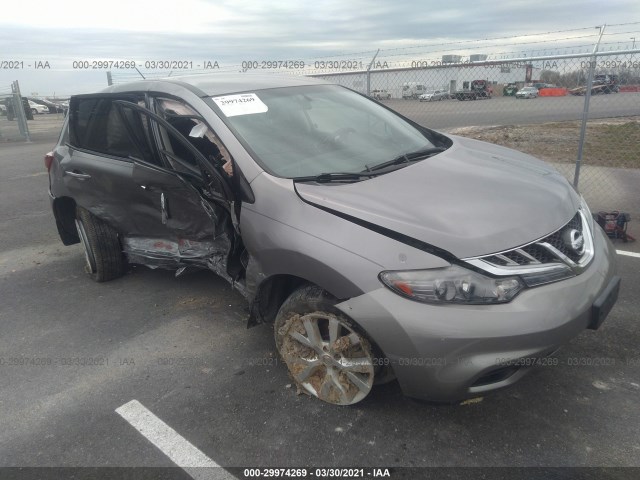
[78, 175]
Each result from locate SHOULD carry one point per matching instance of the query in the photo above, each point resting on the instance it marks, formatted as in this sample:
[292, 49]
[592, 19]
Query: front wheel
[326, 353]
[103, 253]
[34, 111]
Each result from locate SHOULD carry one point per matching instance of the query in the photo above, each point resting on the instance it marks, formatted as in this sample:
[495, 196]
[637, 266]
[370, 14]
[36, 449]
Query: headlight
[452, 284]
[587, 213]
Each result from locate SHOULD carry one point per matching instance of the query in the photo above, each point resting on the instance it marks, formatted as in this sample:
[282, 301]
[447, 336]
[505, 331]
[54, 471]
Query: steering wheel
[341, 135]
[335, 139]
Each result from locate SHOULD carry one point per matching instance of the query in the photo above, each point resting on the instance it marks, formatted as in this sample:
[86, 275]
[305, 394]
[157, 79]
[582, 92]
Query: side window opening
[99, 125]
[171, 148]
[177, 155]
[140, 130]
[190, 124]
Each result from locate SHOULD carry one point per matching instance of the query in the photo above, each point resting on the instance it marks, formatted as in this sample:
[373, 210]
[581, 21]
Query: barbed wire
[403, 51]
[368, 54]
[499, 48]
[621, 24]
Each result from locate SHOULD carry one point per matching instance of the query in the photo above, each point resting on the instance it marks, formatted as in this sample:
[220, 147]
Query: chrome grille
[528, 255]
[544, 253]
[538, 253]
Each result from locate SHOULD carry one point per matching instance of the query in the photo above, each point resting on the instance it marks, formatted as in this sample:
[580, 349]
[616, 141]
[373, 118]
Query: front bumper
[452, 352]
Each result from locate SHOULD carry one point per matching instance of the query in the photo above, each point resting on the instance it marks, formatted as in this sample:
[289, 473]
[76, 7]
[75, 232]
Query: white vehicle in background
[37, 108]
[434, 95]
[412, 90]
[527, 92]
[380, 94]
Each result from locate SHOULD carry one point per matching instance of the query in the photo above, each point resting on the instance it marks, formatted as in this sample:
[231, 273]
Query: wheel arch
[270, 294]
[272, 277]
[384, 371]
[64, 211]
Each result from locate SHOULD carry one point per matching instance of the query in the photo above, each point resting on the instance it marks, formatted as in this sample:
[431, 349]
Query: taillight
[48, 160]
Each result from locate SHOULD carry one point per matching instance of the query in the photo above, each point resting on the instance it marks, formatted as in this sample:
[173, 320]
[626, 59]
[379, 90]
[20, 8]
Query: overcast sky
[232, 31]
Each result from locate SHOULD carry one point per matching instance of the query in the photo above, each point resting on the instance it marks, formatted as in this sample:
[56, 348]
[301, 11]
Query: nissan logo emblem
[574, 240]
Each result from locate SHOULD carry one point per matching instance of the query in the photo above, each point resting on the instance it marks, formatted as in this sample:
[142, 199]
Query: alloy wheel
[327, 358]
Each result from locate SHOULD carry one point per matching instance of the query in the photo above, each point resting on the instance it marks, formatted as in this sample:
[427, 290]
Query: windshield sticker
[243, 104]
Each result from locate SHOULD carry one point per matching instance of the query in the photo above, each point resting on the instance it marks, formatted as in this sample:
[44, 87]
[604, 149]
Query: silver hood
[473, 199]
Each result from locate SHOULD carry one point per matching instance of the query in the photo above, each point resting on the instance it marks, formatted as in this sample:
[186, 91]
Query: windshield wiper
[406, 158]
[335, 177]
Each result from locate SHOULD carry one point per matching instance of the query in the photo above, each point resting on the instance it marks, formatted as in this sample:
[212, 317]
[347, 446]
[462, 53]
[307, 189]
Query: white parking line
[174, 446]
[629, 254]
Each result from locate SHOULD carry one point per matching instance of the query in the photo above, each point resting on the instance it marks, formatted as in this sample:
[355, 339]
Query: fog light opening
[495, 376]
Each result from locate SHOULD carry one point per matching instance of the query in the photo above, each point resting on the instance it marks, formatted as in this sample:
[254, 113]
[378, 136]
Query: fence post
[585, 110]
[369, 73]
[18, 108]
[140, 73]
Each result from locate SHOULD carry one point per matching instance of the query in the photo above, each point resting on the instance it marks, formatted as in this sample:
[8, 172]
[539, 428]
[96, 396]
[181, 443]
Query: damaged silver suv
[377, 248]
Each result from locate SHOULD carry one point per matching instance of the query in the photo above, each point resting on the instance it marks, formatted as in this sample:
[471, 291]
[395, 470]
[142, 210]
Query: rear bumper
[452, 352]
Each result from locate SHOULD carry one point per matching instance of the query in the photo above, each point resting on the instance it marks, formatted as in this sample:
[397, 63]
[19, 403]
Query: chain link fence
[5, 98]
[40, 118]
[535, 105]
[572, 106]
[15, 110]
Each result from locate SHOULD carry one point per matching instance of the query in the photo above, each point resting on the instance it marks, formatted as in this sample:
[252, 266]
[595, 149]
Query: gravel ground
[609, 142]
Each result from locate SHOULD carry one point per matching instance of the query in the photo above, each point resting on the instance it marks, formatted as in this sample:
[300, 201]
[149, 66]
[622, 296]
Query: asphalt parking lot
[449, 114]
[72, 352]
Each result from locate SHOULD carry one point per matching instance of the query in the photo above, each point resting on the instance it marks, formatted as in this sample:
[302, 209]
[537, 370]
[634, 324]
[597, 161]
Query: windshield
[309, 130]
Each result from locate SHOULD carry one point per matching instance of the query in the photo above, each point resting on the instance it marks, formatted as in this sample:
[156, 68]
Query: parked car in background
[477, 89]
[412, 90]
[509, 90]
[63, 106]
[54, 107]
[3, 109]
[527, 92]
[380, 94]
[376, 247]
[434, 95]
[37, 108]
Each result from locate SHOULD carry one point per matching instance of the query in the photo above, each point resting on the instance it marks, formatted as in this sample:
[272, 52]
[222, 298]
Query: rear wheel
[103, 253]
[326, 353]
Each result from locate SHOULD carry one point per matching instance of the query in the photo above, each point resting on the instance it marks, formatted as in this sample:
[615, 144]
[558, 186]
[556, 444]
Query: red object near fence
[553, 92]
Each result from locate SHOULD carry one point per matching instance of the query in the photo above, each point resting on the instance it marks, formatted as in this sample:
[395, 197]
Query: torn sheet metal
[176, 253]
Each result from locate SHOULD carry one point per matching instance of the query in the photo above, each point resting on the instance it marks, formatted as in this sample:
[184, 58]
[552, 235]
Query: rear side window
[97, 124]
